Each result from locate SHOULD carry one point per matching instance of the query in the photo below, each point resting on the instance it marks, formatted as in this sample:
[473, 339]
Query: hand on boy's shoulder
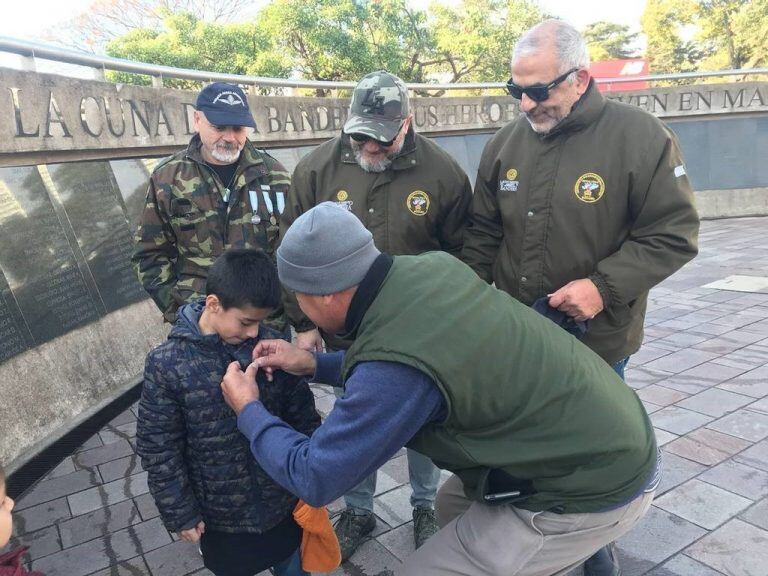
[239, 388]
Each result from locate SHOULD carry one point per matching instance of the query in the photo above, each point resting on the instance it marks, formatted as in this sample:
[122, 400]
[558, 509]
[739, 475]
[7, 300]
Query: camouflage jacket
[199, 464]
[186, 223]
[421, 203]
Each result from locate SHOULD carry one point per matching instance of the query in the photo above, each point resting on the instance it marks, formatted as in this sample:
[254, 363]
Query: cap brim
[379, 129]
[228, 118]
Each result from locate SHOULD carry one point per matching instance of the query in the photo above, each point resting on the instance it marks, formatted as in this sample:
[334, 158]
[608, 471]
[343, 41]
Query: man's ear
[582, 80]
[213, 303]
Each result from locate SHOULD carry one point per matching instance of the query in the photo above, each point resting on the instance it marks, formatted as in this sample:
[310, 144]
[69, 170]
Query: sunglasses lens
[365, 138]
[515, 91]
[537, 93]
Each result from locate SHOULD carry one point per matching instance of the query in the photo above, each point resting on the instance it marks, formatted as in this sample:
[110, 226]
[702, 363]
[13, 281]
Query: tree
[662, 23]
[720, 34]
[608, 41]
[188, 42]
[733, 32]
[105, 20]
[343, 39]
[474, 38]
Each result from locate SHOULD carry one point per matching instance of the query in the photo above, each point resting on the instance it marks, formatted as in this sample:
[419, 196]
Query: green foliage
[609, 41]
[339, 40]
[474, 38]
[687, 35]
[187, 42]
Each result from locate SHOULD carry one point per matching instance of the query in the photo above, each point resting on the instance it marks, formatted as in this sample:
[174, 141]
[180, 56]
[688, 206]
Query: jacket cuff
[602, 287]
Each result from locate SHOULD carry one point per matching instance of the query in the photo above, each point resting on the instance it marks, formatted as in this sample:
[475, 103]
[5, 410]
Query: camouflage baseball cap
[225, 105]
[379, 106]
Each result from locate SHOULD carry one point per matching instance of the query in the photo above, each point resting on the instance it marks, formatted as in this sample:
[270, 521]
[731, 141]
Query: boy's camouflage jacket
[186, 222]
[199, 465]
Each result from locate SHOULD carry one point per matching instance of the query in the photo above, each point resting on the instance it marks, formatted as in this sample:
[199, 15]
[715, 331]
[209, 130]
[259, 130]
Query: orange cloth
[320, 550]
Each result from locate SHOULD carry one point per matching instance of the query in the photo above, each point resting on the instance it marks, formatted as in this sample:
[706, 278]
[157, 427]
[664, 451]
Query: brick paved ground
[703, 374]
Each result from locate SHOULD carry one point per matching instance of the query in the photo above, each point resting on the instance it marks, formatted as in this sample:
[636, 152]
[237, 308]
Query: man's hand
[193, 534]
[579, 299]
[270, 355]
[239, 387]
[310, 340]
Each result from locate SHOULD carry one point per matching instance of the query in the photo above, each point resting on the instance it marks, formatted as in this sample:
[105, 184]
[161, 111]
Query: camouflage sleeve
[456, 218]
[298, 410]
[160, 436]
[155, 253]
[300, 199]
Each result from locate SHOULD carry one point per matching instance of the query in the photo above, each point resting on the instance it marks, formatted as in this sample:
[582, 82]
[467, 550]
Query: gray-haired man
[582, 201]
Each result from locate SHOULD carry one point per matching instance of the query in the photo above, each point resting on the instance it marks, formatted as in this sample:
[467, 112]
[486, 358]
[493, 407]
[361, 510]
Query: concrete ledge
[50, 389]
[732, 203]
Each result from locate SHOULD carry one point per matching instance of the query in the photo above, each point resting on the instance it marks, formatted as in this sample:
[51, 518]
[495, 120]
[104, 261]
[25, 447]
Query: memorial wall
[75, 156]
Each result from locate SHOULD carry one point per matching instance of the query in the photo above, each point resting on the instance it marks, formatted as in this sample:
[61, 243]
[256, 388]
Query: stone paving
[702, 374]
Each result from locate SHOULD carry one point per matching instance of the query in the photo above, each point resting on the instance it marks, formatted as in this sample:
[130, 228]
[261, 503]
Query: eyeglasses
[537, 92]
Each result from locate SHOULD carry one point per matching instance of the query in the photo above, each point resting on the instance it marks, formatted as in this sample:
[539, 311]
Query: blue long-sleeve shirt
[384, 405]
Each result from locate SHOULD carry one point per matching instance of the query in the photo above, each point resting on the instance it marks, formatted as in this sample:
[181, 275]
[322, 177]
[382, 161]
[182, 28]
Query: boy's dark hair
[244, 277]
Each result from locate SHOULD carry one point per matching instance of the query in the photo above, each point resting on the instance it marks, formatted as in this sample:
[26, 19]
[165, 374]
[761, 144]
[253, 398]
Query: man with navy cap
[221, 192]
[413, 197]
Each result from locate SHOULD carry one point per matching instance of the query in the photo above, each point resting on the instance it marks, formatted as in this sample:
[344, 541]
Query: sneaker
[424, 525]
[350, 530]
[604, 562]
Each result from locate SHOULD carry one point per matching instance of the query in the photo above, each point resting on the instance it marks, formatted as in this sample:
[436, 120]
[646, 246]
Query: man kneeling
[553, 455]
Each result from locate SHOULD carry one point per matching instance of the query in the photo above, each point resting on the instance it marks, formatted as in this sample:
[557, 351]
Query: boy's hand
[270, 355]
[193, 534]
[240, 387]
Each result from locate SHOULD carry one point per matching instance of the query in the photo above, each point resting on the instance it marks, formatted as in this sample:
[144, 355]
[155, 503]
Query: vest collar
[366, 293]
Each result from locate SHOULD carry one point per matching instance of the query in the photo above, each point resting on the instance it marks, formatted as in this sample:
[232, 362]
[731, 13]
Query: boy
[205, 483]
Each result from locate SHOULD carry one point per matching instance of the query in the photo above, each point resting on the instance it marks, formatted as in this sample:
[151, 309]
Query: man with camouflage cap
[413, 197]
[221, 192]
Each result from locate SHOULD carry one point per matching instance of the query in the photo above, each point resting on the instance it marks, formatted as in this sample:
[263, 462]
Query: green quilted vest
[523, 396]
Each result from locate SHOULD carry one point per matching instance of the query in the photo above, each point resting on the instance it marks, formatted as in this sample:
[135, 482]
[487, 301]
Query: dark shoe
[424, 525]
[604, 562]
[350, 529]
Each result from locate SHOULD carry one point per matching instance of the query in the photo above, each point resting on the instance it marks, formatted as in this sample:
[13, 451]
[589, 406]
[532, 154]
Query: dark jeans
[619, 367]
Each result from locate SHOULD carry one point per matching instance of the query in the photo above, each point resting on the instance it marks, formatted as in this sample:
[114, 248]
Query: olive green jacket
[186, 223]
[528, 406]
[603, 196]
[419, 204]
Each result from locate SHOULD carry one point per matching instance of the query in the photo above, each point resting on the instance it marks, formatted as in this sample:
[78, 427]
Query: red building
[620, 69]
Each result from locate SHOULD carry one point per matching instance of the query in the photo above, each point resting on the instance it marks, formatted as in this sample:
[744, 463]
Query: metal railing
[30, 49]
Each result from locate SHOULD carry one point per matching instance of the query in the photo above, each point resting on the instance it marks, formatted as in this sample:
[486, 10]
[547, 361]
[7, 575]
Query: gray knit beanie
[326, 250]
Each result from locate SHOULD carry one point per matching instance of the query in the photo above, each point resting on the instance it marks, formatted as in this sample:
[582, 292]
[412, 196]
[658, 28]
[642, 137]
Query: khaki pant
[482, 540]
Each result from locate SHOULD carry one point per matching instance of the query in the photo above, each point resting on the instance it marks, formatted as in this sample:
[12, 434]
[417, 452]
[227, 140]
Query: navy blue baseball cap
[225, 105]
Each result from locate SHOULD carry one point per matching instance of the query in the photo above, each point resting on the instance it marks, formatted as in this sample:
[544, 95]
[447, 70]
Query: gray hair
[570, 47]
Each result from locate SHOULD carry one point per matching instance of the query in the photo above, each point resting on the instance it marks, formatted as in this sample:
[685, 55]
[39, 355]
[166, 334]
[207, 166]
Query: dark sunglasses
[364, 138]
[537, 92]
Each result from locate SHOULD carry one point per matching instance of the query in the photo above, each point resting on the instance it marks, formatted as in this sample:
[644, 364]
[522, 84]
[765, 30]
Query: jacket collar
[366, 293]
[584, 112]
[406, 159]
